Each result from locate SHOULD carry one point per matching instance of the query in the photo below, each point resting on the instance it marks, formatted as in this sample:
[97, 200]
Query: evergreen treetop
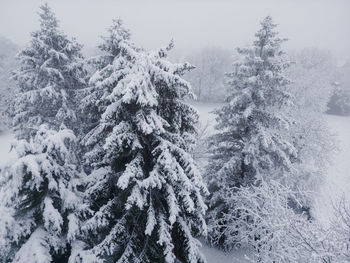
[51, 70]
[251, 126]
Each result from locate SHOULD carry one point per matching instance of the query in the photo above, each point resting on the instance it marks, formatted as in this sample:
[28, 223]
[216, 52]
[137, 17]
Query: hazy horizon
[193, 24]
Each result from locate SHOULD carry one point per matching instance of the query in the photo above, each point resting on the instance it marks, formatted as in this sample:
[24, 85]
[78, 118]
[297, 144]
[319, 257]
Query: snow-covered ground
[337, 182]
[206, 114]
[214, 255]
[205, 110]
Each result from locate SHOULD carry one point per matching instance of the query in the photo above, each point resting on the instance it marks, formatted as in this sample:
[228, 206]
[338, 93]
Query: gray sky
[192, 23]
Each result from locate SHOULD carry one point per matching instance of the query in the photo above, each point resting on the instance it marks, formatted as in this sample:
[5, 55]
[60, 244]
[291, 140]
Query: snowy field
[213, 255]
[335, 186]
[337, 181]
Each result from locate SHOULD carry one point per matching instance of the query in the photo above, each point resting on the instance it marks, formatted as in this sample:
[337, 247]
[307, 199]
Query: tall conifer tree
[145, 192]
[38, 189]
[51, 71]
[251, 141]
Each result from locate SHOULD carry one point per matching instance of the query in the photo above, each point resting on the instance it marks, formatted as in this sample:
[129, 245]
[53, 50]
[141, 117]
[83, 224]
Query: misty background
[206, 33]
[193, 24]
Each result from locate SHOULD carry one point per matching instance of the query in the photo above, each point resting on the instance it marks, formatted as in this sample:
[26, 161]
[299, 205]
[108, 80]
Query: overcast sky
[192, 23]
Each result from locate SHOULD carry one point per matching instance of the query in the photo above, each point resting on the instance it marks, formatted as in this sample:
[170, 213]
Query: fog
[131, 157]
[193, 24]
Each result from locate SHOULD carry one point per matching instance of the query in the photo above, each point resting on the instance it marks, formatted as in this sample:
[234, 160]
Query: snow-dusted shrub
[340, 226]
[261, 219]
[339, 103]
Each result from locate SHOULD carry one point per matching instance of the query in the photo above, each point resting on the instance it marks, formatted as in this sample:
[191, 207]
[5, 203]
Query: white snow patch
[214, 255]
[337, 182]
[5, 146]
[206, 114]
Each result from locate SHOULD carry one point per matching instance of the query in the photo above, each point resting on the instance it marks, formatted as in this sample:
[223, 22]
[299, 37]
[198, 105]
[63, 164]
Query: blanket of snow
[206, 114]
[337, 182]
[335, 186]
[214, 255]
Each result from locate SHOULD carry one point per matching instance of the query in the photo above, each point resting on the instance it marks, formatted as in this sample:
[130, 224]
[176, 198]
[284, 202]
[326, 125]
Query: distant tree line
[313, 65]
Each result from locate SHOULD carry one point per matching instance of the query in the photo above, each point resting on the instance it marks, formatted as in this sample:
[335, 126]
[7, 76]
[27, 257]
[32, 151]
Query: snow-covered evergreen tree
[38, 196]
[94, 101]
[144, 190]
[51, 70]
[38, 189]
[250, 143]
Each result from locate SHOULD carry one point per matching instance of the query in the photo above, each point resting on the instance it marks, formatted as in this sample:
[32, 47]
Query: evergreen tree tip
[47, 17]
[118, 27]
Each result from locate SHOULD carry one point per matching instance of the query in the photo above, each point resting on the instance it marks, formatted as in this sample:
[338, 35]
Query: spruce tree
[251, 142]
[51, 71]
[38, 188]
[38, 192]
[144, 191]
